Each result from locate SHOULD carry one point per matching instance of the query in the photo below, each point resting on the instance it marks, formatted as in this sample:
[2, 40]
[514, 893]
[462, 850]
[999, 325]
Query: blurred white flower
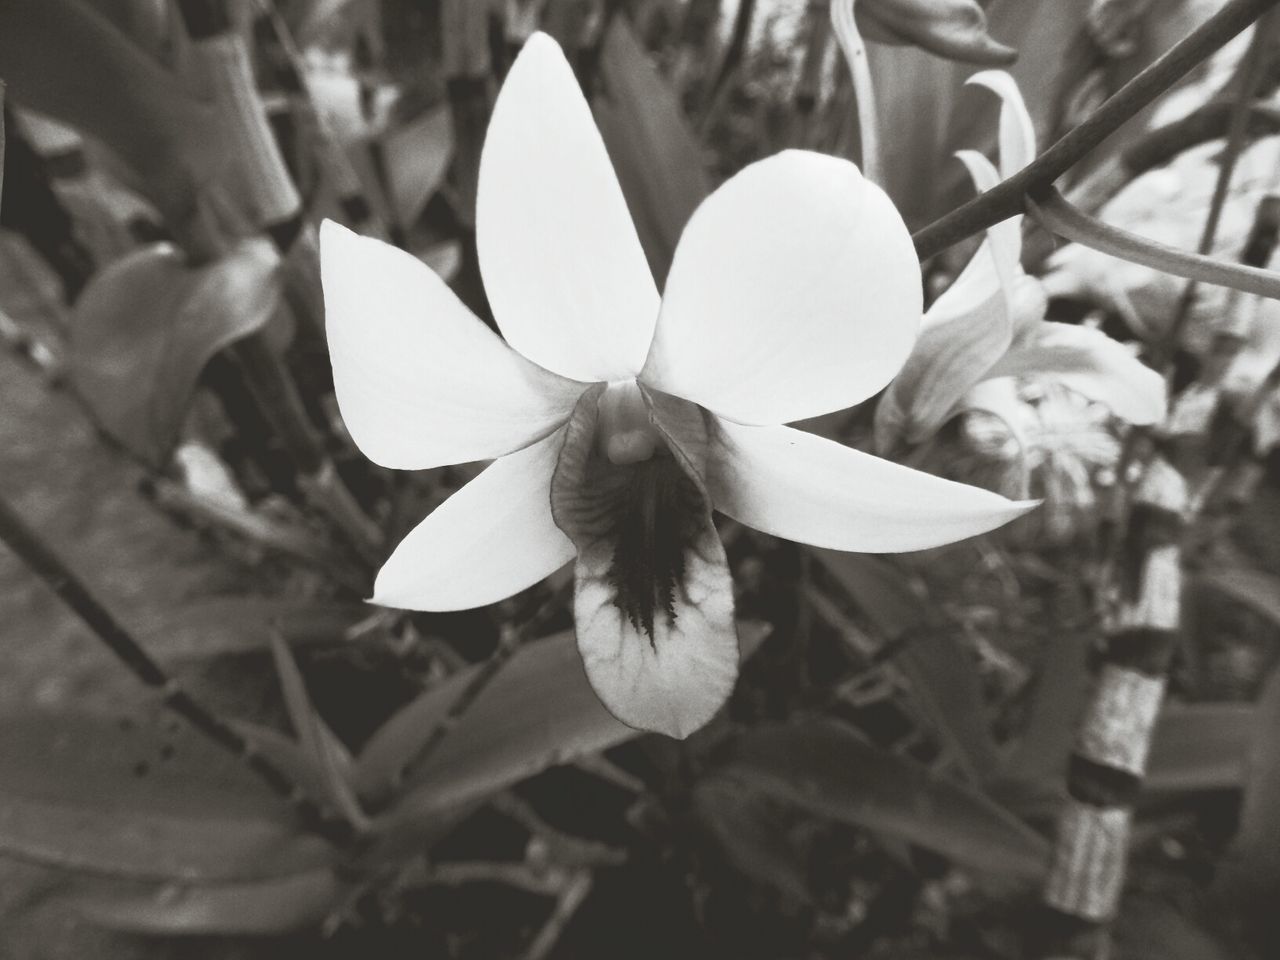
[990, 322]
[619, 420]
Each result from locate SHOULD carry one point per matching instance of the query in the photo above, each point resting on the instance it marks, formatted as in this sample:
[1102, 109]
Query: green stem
[1061, 218]
[1250, 77]
[855, 54]
[1036, 179]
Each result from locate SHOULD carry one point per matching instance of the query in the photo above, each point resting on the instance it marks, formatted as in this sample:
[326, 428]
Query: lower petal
[653, 600]
[812, 490]
[1089, 362]
[491, 539]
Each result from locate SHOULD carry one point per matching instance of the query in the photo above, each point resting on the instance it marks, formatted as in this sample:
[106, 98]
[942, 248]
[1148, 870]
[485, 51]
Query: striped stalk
[267, 196]
[1105, 773]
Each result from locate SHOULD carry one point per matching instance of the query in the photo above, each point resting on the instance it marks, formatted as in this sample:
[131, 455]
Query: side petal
[1005, 237]
[653, 598]
[1017, 132]
[491, 539]
[794, 291]
[1091, 363]
[562, 265]
[420, 380]
[812, 490]
[964, 333]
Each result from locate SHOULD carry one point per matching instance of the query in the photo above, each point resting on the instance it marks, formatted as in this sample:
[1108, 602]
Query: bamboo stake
[273, 202]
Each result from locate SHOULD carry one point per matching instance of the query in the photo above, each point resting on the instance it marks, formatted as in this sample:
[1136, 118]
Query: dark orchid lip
[644, 514]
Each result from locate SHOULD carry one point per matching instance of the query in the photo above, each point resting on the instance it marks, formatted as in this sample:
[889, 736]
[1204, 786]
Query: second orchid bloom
[619, 419]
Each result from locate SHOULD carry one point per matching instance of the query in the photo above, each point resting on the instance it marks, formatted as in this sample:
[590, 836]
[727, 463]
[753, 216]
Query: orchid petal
[1091, 363]
[1005, 236]
[806, 488]
[794, 291]
[420, 381]
[653, 599]
[562, 265]
[677, 681]
[1017, 132]
[963, 334]
[491, 539]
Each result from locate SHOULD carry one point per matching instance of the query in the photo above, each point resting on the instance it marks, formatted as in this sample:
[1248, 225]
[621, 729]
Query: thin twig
[75, 594]
[1007, 199]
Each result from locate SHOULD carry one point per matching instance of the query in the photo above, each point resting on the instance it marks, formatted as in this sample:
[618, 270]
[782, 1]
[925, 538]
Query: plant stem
[1008, 198]
[1060, 217]
[855, 54]
[75, 594]
[1086, 875]
[1250, 77]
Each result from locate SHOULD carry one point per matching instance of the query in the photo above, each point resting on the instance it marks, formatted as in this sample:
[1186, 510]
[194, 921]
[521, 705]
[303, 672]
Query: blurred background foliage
[885, 779]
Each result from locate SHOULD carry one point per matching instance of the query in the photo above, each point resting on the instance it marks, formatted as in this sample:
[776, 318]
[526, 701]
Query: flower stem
[1060, 217]
[855, 54]
[1249, 77]
[1036, 179]
[75, 594]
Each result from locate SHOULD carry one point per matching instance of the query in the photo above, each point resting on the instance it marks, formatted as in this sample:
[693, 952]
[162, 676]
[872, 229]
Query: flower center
[624, 431]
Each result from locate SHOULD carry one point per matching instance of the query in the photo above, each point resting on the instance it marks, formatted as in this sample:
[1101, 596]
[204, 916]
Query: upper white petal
[1017, 132]
[492, 538]
[794, 291]
[420, 380]
[809, 489]
[562, 265]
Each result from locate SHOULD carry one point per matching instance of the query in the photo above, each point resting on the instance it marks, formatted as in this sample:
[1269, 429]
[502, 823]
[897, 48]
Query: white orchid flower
[619, 419]
[990, 322]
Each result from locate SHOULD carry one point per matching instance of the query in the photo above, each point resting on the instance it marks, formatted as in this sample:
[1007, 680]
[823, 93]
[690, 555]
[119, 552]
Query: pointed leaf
[1199, 746]
[1251, 873]
[656, 154]
[319, 743]
[145, 327]
[147, 799]
[754, 833]
[538, 712]
[1255, 589]
[829, 770]
[262, 908]
[102, 84]
[944, 680]
[416, 157]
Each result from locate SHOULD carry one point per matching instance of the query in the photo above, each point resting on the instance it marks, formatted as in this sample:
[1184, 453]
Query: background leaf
[143, 799]
[538, 712]
[827, 769]
[145, 327]
[658, 158]
[262, 908]
[1200, 746]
